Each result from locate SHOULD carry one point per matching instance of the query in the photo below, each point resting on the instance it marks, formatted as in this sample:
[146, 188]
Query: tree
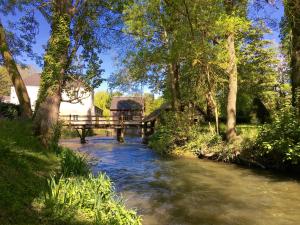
[236, 13]
[292, 14]
[22, 43]
[257, 68]
[153, 24]
[72, 53]
[152, 103]
[102, 100]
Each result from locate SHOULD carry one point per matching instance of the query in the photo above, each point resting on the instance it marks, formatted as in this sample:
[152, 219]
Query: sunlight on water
[192, 191]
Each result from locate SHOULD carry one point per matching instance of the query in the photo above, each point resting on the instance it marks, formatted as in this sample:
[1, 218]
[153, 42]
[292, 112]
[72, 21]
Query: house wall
[86, 107]
[32, 93]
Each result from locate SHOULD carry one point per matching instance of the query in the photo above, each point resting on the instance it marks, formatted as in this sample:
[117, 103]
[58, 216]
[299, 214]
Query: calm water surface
[192, 191]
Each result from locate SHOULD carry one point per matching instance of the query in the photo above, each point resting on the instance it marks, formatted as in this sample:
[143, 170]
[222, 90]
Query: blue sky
[41, 40]
[108, 57]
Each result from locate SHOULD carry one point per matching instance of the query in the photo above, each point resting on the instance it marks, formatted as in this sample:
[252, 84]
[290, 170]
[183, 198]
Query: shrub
[8, 110]
[78, 195]
[278, 143]
[73, 164]
[202, 140]
[173, 131]
[91, 198]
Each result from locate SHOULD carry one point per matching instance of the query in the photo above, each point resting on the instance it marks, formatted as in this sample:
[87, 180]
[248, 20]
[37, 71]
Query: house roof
[5, 98]
[33, 80]
[127, 103]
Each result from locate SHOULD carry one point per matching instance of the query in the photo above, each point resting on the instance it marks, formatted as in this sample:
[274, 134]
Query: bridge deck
[88, 121]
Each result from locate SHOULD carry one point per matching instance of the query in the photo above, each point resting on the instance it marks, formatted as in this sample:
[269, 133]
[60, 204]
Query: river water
[193, 191]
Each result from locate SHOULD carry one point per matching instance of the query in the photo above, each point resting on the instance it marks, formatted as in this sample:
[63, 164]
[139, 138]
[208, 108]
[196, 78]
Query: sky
[41, 40]
[108, 57]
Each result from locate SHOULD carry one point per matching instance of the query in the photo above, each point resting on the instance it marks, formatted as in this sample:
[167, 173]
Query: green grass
[38, 186]
[24, 167]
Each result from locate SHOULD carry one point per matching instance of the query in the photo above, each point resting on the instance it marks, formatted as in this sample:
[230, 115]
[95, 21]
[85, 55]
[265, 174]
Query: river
[193, 191]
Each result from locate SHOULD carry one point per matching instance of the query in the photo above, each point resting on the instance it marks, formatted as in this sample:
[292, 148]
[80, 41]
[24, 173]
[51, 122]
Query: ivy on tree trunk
[49, 99]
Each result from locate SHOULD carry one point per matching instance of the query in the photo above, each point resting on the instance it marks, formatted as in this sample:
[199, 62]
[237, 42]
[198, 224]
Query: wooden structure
[83, 124]
[130, 107]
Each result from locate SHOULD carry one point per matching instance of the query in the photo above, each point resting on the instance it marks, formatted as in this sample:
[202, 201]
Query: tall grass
[77, 195]
[87, 198]
[73, 164]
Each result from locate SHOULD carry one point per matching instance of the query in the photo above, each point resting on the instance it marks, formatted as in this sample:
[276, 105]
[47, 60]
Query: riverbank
[248, 149]
[189, 191]
[39, 186]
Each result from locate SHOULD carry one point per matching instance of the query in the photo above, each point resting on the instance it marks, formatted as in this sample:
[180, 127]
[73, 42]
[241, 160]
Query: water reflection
[191, 191]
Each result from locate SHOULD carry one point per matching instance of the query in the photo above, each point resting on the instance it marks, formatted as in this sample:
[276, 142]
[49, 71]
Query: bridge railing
[94, 120]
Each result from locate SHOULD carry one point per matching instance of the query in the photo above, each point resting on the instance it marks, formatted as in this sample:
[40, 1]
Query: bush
[173, 131]
[73, 164]
[8, 110]
[176, 135]
[77, 195]
[278, 143]
[202, 140]
[89, 198]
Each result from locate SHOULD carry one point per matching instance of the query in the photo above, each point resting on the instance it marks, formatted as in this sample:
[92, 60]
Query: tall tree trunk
[212, 110]
[293, 13]
[174, 85]
[232, 89]
[56, 58]
[15, 76]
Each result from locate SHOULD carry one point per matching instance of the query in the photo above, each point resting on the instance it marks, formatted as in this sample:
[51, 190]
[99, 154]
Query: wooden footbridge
[84, 123]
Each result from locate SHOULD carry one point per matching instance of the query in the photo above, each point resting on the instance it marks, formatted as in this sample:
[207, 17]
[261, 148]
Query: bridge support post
[83, 134]
[120, 134]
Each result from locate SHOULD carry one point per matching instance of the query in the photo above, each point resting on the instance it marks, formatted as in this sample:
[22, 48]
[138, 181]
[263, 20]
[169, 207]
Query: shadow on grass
[24, 168]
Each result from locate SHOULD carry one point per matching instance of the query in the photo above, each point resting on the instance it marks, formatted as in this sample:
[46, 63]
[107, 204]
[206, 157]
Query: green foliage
[89, 197]
[8, 110]
[203, 140]
[27, 198]
[102, 100]
[5, 82]
[152, 103]
[173, 131]
[55, 58]
[278, 143]
[73, 164]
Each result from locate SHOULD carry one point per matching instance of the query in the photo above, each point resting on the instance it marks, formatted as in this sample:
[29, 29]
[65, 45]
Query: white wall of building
[32, 93]
[86, 107]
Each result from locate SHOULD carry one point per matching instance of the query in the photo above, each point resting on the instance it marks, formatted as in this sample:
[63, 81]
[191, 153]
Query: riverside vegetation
[232, 93]
[52, 187]
[274, 145]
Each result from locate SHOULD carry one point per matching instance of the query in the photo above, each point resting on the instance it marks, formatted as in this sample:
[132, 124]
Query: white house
[85, 107]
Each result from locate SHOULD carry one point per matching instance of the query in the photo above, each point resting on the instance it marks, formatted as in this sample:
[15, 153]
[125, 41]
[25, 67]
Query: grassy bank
[42, 187]
[201, 141]
[274, 145]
